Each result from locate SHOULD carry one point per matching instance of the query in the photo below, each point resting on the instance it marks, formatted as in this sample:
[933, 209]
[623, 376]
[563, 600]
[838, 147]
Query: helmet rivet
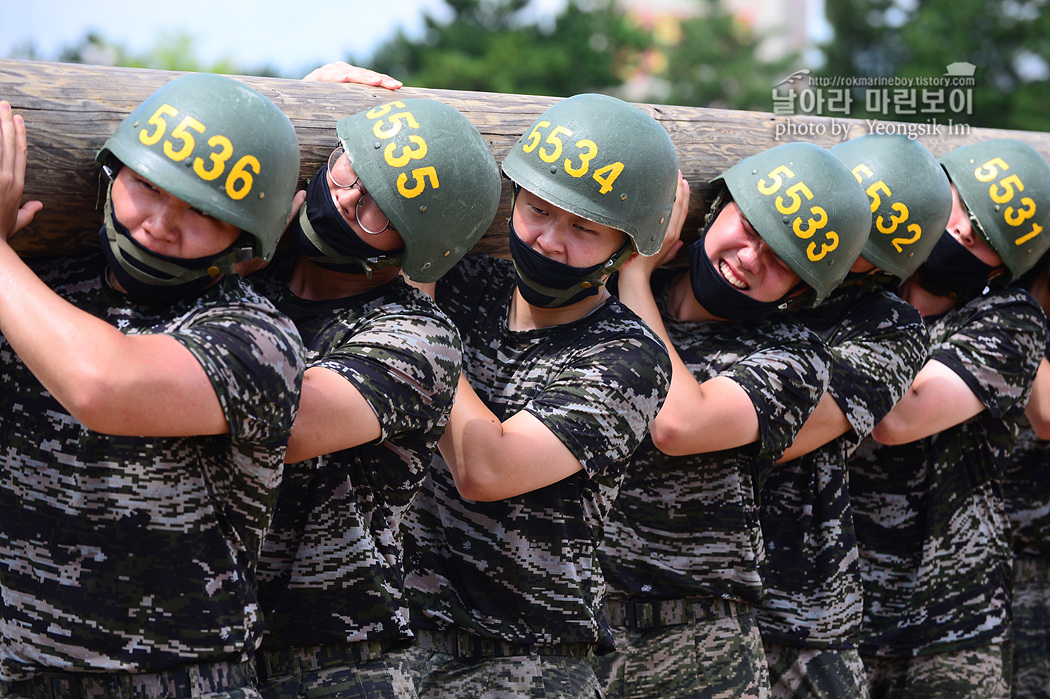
[426, 265]
[997, 208]
[447, 253]
[554, 169]
[422, 209]
[585, 285]
[623, 197]
[662, 219]
[135, 124]
[786, 219]
[213, 271]
[911, 254]
[377, 145]
[754, 172]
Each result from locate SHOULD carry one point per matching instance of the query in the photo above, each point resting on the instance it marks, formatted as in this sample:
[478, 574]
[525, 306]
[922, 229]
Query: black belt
[464, 645]
[294, 661]
[644, 614]
[188, 680]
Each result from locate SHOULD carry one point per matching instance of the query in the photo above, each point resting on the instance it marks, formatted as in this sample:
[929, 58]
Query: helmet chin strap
[558, 297]
[330, 255]
[152, 269]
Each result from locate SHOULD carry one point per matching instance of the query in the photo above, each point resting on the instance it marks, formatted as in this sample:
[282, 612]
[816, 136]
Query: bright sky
[294, 36]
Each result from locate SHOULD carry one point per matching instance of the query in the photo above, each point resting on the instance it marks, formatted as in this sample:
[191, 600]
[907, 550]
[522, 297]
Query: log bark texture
[71, 109]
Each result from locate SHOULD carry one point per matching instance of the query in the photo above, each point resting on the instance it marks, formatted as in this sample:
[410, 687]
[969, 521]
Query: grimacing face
[744, 259]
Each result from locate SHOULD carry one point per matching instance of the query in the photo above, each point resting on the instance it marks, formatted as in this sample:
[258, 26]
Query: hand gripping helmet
[807, 206]
[1005, 186]
[431, 173]
[603, 159]
[219, 146]
[911, 199]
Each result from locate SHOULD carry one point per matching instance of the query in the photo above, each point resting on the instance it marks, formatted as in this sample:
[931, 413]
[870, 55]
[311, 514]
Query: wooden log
[71, 109]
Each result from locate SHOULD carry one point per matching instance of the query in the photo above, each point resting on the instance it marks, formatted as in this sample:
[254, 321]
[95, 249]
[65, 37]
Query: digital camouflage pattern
[815, 673]
[524, 569]
[332, 566]
[1026, 488]
[1027, 492]
[720, 659]
[388, 675]
[544, 677]
[812, 574]
[139, 554]
[1031, 638]
[974, 673]
[685, 527]
[930, 517]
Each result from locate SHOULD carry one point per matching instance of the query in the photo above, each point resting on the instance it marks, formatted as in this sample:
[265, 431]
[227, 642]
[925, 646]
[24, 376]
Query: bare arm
[1038, 409]
[333, 415]
[695, 417]
[113, 383]
[493, 460]
[827, 422]
[937, 399]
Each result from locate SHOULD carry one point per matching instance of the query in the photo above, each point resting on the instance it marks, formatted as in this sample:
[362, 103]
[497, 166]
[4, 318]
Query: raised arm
[113, 383]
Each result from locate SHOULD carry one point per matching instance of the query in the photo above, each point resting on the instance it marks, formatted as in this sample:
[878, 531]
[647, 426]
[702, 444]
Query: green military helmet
[602, 159]
[807, 206]
[1005, 186]
[219, 146]
[911, 199]
[432, 174]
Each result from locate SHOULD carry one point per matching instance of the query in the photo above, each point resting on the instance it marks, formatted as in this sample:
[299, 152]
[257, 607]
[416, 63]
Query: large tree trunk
[71, 109]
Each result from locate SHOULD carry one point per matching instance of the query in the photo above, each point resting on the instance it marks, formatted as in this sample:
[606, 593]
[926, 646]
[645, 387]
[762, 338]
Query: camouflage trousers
[347, 671]
[716, 653]
[1031, 611]
[221, 680]
[441, 675]
[814, 673]
[975, 673]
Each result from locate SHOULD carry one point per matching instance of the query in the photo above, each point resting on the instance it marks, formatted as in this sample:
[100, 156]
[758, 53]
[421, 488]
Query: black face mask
[952, 269]
[718, 297]
[322, 234]
[149, 277]
[548, 283]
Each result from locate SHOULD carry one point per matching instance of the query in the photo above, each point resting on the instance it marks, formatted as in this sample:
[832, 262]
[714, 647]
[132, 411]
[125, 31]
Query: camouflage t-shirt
[332, 568]
[930, 520]
[524, 569]
[140, 553]
[1026, 487]
[812, 574]
[688, 526]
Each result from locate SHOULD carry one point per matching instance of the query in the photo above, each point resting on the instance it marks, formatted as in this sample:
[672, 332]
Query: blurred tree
[176, 51]
[713, 63]
[707, 59]
[488, 46]
[1005, 39]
